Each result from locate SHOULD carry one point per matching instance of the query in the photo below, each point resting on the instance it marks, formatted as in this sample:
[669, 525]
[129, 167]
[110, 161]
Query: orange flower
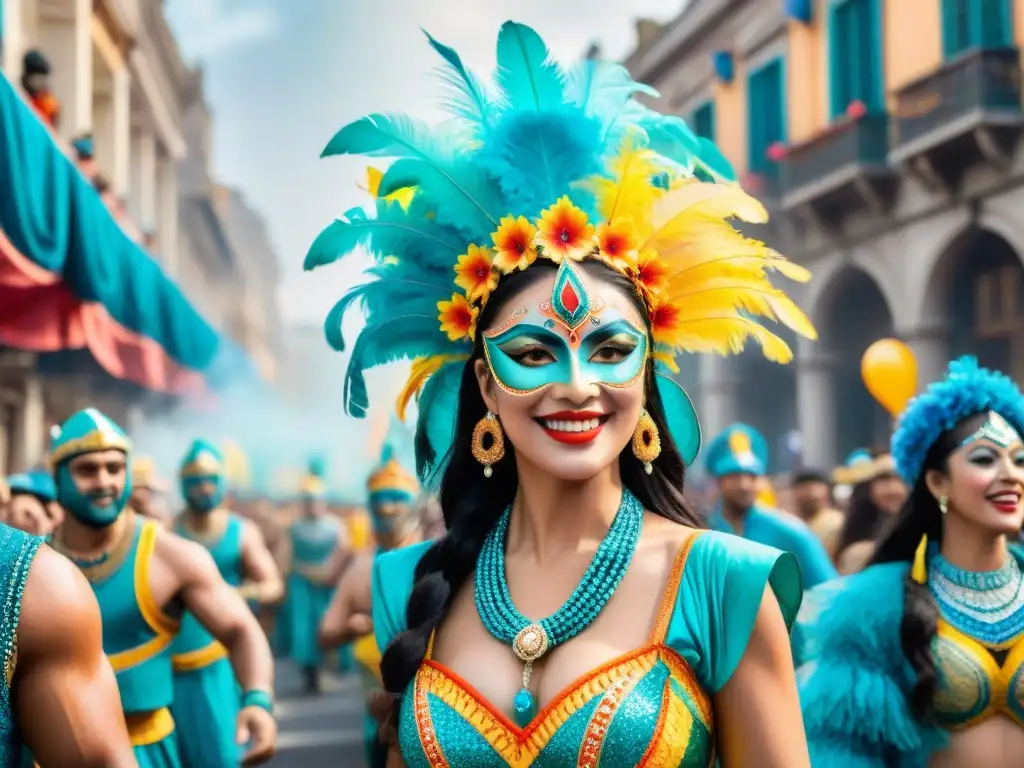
[616, 245]
[458, 317]
[513, 244]
[664, 319]
[475, 273]
[564, 232]
[650, 276]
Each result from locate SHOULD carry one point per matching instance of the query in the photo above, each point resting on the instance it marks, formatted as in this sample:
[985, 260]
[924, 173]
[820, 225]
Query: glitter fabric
[17, 550]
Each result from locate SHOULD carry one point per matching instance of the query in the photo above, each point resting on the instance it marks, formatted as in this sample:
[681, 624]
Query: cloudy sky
[281, 77]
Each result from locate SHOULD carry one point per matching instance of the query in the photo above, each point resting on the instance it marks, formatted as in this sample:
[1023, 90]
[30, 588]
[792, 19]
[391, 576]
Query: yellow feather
[667, 360]
[627, 191]
[753, 297]
[422, 369]
[726, 335]
[373, 179]
[720, 201]
[402, 196]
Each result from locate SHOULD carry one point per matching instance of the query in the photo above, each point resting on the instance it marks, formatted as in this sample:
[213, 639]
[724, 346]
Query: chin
[1006, 525]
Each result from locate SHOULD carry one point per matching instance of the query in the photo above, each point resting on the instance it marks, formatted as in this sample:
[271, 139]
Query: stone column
[142, 200]
[167, 179]
[103, 126]
[121, 131]
[816, 409]
[66, 39]
[930, 345]
[12, 38]
[716, 408]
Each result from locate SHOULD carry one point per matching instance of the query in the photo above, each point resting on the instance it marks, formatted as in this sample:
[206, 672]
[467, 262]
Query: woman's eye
[612, 353]
[531, 356]
[982, 458]
[1018, 459]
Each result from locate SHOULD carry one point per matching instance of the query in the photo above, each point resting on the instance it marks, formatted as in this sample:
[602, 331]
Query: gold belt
[199, 658]
[318, 574]
[145, 728]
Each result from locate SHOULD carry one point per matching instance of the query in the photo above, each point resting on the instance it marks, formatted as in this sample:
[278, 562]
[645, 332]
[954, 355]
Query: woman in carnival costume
[916, 661]
[556, 251]
[878, 495]
[396, 523]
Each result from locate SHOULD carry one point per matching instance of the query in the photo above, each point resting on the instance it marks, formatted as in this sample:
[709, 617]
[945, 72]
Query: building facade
[882, 135]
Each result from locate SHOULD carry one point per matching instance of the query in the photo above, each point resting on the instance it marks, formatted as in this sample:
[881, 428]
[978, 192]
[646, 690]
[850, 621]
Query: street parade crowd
[545, 587]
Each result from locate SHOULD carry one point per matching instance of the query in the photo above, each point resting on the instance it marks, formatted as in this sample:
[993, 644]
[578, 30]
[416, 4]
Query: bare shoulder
[181, 555]
[660, 542]
[361, 569]
[55, 588]
[251, 533]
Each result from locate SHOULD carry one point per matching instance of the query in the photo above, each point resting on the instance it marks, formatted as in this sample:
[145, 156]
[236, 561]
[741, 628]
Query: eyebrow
[610, 331]
[526, 329]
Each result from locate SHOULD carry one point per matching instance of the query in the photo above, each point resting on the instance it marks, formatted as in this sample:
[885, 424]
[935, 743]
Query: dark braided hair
[472, 504]
[921, 516]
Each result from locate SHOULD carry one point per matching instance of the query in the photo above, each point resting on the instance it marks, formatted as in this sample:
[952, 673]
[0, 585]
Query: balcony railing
[851, 149]
[983, 86]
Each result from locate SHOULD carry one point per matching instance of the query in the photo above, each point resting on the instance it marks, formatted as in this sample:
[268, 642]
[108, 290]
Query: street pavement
[324, 731]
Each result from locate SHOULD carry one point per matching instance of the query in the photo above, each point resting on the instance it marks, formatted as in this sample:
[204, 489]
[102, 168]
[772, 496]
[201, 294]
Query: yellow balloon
[889, 370]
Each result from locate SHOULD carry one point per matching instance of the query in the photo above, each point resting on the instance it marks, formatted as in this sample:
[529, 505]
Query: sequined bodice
[645, 708]
[17, 550]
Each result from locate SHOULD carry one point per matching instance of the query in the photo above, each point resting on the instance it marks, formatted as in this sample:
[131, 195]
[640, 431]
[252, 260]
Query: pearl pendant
[648, 468]
[488, 471]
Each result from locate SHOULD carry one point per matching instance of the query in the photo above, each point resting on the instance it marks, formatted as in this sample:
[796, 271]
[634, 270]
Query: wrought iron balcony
[966, 111]
[844, 168]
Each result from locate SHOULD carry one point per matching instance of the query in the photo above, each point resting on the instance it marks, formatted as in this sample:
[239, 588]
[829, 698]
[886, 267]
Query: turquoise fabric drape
[56, 219]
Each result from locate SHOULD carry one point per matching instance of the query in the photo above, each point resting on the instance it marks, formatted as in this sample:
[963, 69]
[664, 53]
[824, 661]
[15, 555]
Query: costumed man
[206, 698]
[145, 578]
[319, 553]
[738, 459]
[149, 491]
[812, 501]
[32, 503]
[396, 524]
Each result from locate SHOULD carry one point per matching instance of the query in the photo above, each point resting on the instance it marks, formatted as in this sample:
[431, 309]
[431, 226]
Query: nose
[579, 389]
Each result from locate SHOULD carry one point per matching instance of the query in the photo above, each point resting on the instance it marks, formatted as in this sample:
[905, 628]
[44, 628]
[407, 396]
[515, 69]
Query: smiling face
[563, 369]
[984, 484]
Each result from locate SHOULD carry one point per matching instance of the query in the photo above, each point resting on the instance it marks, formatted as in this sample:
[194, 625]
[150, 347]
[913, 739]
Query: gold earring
[488, 426]
[646, 441]
[943, 504]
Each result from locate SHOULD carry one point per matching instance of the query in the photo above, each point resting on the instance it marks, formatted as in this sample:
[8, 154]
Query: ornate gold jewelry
[943, 504]
[488, 426]
[646, 441]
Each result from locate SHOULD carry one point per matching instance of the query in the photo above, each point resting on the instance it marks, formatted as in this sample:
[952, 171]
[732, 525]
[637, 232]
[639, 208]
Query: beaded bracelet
[257, 697]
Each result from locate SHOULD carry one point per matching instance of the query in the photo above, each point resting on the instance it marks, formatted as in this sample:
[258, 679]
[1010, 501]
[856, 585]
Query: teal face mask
[203, 500]
[83, 506]
[571, 338]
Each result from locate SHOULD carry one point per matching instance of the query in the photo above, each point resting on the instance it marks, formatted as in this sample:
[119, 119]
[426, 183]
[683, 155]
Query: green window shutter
[767, 118]
[703, 121]
[855, 55]
[992, 20]
[956, 26]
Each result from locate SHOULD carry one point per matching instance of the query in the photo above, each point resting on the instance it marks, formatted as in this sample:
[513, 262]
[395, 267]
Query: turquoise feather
[527, 76]
[380, 135]
[471, 205]
[438, 408]
[602, 89]
[469, 99]
[386, 296]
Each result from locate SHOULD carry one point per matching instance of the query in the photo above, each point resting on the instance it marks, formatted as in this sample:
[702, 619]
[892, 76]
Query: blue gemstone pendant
[525, 708]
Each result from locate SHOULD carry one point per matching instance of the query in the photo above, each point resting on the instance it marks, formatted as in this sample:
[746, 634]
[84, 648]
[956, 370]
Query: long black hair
[472, 504]
[921, 516]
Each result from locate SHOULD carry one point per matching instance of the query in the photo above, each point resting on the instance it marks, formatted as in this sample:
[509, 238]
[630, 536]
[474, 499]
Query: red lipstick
[572, 436]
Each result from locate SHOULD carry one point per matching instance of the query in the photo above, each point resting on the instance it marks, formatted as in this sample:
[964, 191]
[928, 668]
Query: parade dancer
[319, 553]
[32, 504]
[53, 675]
[145, 578]
[916, 660]
[558, 251]
[206, 699]
[396, 523]
[876, 497]
[738, 458]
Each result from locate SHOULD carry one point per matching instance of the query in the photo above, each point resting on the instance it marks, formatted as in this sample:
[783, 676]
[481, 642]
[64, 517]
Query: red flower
[856, 110]
[777, 151]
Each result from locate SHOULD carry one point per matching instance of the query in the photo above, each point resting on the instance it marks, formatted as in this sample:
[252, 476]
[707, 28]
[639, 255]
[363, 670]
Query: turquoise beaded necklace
[531, 640]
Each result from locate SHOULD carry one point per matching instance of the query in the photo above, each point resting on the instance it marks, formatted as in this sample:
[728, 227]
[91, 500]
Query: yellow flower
[513, 244]
[564, 232]
[616, 245]
[475, 273]
[458, 317]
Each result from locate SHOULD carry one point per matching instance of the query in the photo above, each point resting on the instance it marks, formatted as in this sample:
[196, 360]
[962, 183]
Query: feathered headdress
[550, 164]
[966, 390]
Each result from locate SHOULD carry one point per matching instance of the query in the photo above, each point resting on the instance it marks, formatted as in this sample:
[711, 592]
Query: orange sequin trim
[597, 728]
[425, 727]
[675, 578]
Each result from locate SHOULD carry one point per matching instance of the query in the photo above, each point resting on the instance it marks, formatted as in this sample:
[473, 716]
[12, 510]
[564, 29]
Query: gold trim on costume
[97, 440]
[139, 654]
[199, 658]
[115, 556]
[153, 614]
[150, 728]
[205, 464]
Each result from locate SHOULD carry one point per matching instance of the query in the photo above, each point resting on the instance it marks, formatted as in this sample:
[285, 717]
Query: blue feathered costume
[854, 677]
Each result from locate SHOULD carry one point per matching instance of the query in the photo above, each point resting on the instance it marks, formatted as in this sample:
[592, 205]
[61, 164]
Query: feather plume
[627, 191]
[422, 369]
[528, 77]
[380, 343]
[602, 89]
[721, 201]
[728, 335]
[435, 424]
[393, 231]
[754, 296]
[468, 97]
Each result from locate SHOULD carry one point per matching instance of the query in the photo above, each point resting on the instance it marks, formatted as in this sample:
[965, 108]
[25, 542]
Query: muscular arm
[757, 711]
[340, 558]
[64, 693]
[259, 566]
[220, 609]
[350, 599]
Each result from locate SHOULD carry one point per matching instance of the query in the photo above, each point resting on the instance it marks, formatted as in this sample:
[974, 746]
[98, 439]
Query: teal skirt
[205, 709]
[307, 603]
[162, 754]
